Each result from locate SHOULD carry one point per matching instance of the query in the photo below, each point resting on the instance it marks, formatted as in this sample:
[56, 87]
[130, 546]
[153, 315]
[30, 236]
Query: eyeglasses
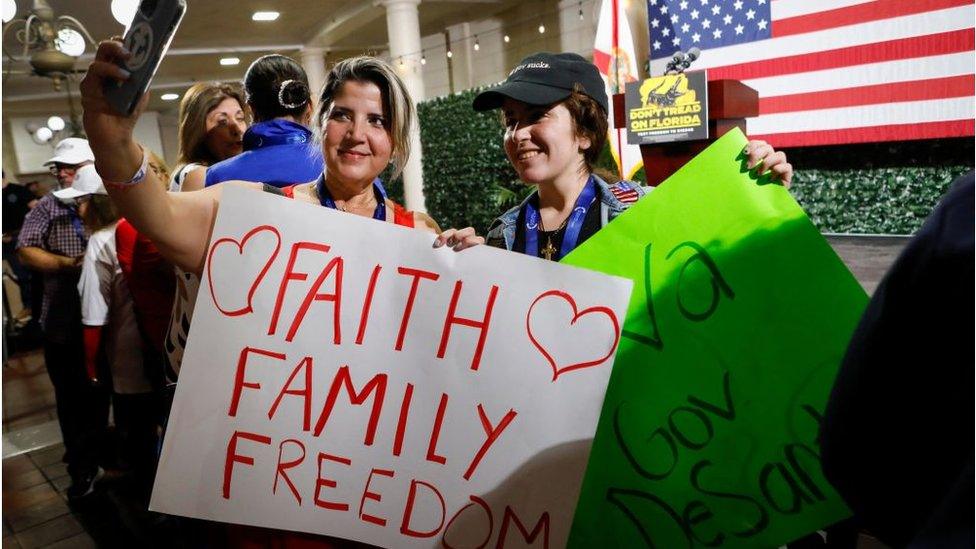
[55, 169]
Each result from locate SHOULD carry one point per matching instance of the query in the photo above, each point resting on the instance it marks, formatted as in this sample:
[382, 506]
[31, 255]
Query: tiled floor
[36, 512]
[35, 509]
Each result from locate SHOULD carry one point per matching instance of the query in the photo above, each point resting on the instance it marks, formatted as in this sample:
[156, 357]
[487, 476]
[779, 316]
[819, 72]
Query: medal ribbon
[573, 224]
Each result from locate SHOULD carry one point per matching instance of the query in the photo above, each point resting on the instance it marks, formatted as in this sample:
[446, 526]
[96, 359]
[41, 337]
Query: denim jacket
[501, 233]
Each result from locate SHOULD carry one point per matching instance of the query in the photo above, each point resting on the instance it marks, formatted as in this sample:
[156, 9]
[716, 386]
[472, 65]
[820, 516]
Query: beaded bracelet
[139, 176]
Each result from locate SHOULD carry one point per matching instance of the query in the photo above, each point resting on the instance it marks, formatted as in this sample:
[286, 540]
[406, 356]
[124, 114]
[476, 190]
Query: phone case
[147, 38]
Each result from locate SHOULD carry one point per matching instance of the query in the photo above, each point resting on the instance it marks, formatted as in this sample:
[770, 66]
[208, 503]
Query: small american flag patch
[624, 193]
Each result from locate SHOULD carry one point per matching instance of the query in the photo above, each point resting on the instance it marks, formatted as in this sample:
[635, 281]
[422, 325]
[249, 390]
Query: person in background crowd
[152, 285]
[111, 333]
[212, 125]
[555, 111]
[17, 201]
[279, 149]
[38, 188]
[53, 241]
[896, 438]
[159, 167]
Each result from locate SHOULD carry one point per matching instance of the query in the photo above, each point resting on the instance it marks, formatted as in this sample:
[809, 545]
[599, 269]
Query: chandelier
[51, 43]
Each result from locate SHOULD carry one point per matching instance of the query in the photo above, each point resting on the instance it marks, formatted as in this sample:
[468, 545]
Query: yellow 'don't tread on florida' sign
[673, 107]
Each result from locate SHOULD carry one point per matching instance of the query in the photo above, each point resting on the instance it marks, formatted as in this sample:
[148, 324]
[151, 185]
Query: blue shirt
[277, 152]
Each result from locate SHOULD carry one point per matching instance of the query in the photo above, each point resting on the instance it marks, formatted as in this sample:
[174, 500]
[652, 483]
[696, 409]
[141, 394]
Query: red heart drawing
[240, 250]
[556, 370]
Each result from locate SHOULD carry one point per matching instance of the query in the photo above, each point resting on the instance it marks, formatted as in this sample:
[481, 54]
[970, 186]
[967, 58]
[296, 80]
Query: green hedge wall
[886, 188]
[464, 163]
[877, 188]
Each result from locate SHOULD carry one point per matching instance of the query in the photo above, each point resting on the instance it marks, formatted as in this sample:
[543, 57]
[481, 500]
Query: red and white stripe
[627, 196]
[848, 71]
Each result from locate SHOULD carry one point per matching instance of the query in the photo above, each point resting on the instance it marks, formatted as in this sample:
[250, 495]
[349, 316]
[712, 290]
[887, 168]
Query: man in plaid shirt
[52, 241]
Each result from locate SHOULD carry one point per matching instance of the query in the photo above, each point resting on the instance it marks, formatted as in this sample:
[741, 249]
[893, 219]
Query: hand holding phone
[147, 39]
[109, 132]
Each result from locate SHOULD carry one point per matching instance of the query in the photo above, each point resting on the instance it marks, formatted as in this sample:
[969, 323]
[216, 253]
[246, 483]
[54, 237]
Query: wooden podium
[730, 102]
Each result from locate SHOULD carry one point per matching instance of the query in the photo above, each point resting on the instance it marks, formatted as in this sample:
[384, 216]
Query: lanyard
[79, 229]
[573, 224]
[325, 198]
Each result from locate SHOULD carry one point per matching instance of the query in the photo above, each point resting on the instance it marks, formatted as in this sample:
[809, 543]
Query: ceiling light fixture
[450, 54]
[423, 59]
[43, 135]
[56, 123]
[50, 43]
[228, 61]
[169, 96]
[542, 29]
[124, 11]
[70, 42]
[265, 16]
[55, 129]
[9, 10]
[477, 45]
[506, 39]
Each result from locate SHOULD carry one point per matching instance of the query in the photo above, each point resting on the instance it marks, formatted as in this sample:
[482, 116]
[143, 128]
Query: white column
[313, 61]
[403, 29]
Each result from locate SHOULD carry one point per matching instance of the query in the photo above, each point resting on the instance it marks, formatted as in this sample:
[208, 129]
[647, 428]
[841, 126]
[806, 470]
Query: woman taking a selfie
[364, 114]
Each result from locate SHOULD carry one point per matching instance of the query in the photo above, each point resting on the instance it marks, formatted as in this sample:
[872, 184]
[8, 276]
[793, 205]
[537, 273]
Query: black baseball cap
[545, 78]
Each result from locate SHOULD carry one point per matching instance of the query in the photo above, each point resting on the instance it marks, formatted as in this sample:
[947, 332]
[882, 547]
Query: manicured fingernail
[124, 74]
[438, 242]
[451, 241]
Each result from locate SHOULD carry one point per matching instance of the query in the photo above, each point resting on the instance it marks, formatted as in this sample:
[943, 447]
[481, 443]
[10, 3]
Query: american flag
[833, 71]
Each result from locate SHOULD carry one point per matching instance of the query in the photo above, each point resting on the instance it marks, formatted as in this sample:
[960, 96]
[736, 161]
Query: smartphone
[147, 38]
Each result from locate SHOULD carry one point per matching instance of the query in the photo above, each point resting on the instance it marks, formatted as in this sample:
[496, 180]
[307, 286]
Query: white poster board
[343, 377]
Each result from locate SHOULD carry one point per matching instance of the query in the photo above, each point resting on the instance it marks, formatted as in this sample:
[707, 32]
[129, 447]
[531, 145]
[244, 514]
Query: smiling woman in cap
[555, 109]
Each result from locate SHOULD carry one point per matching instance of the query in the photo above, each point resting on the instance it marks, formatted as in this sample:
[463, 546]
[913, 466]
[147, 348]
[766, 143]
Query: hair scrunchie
[281, 95]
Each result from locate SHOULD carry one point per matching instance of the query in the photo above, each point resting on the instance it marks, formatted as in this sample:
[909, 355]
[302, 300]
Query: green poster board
[740, 316]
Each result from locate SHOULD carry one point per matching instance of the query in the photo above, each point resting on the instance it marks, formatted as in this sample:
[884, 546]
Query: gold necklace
[550, 250]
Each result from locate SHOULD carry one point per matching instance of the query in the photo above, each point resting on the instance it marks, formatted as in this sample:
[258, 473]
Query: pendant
[549, 250]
